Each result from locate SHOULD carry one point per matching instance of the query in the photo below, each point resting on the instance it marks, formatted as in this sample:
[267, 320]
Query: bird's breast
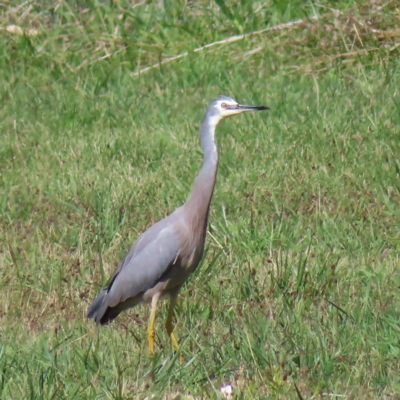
[191, 259]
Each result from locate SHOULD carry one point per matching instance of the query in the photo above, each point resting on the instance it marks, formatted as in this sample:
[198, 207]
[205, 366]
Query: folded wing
[147, 260]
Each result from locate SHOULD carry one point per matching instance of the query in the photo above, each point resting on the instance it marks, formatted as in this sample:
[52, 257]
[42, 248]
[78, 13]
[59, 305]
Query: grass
[298, 295]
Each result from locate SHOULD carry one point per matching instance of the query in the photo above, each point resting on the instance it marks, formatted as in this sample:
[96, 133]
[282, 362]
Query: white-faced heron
[163, 257]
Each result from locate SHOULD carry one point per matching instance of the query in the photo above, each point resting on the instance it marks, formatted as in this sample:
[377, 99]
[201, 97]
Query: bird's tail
[100, 311]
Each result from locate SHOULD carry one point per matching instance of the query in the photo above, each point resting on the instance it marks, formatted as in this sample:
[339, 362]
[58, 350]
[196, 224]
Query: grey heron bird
[164, 256]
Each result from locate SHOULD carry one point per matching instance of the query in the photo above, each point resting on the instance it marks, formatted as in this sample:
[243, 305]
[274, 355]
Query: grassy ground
[298, 295]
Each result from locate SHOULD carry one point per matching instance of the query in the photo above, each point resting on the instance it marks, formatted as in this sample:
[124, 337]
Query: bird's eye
[223, 105]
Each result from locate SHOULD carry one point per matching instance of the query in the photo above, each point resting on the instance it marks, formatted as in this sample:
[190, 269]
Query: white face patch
[228, 113]
[227, 108]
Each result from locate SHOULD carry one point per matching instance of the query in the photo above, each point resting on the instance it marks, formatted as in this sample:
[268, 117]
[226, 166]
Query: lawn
[298, 295]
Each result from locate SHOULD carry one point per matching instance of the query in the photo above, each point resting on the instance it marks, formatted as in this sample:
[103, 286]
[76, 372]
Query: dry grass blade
[17, 30]
[231, 39]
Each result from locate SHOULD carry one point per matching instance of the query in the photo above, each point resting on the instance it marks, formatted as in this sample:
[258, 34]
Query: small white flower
[227, 391]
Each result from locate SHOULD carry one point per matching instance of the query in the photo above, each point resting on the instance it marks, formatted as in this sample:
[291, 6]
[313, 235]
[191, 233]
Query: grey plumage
[165, 255]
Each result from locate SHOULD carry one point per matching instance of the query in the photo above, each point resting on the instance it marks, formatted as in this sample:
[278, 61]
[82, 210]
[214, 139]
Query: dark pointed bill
[250, 107]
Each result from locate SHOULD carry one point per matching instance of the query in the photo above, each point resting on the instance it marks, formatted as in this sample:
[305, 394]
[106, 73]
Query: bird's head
[224, 106]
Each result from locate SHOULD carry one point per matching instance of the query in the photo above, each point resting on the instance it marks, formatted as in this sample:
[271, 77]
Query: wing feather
[147, 260]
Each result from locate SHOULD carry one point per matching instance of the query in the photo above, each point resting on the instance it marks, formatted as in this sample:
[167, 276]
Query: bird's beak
[247, 107]
[236, 109]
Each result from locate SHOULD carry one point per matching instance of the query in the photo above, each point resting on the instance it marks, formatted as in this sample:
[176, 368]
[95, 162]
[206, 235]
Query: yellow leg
[150, 327]
[169, 325]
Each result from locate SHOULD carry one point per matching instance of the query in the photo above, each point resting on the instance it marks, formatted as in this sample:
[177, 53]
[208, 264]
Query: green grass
[300, 284]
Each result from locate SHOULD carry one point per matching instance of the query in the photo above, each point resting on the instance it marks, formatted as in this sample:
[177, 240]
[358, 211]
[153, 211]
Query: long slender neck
[198, 203]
